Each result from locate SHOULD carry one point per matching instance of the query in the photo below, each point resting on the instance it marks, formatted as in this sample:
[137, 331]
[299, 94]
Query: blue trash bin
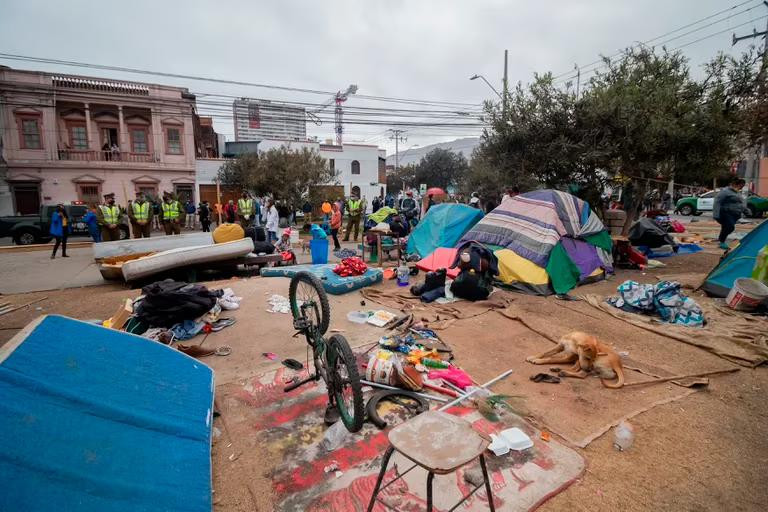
[319, 251]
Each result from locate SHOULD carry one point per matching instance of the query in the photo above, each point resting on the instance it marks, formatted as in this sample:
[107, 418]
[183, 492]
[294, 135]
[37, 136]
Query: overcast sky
[405, 49]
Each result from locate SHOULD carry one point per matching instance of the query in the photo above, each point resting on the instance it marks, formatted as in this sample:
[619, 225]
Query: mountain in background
[414, 155]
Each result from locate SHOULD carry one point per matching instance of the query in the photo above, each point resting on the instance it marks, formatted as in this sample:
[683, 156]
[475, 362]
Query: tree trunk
[632, 200]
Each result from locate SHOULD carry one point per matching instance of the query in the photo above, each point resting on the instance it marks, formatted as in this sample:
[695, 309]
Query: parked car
[694, 205]
[35, 229]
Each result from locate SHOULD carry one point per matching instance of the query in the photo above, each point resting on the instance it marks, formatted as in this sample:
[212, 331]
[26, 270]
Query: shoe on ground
[331, 415]
[724, 246]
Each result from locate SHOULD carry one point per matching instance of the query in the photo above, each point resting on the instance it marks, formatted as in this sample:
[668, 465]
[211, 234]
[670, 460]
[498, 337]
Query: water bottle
[402, 275]
[624, 435]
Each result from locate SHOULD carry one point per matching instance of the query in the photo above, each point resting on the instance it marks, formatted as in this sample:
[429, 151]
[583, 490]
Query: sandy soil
[705, 452]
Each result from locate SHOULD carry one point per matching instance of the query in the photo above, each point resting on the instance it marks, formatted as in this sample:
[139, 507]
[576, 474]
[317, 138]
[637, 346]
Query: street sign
[422, 189]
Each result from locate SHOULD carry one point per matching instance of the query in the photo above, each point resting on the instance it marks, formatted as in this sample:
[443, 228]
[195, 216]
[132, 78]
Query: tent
[737, 263]
[545, 232]
[442, 257]
[96, 419]
[442, 226]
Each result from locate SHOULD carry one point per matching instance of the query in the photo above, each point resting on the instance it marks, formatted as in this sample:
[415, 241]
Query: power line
[736, 6]
[46, 60]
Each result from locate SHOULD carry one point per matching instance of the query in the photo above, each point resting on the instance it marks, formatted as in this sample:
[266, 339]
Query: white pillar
[122, 132]
[93, 141]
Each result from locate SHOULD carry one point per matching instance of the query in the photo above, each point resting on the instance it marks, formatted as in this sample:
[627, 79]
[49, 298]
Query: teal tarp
[442, 226]
[738, 263]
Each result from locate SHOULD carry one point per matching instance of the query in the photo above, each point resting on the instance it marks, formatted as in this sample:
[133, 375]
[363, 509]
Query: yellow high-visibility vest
[354, 206]
[111, 214]
[171, 210]
[141, 211]
[245, 207]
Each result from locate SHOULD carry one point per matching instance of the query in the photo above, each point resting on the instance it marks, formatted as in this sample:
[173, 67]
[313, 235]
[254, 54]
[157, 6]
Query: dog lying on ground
[588, 354]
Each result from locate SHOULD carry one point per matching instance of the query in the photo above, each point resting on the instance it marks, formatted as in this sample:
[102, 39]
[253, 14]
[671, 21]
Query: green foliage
[440, 168]
[282, 173]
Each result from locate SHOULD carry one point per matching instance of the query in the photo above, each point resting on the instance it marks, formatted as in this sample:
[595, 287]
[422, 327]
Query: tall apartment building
[263, 119]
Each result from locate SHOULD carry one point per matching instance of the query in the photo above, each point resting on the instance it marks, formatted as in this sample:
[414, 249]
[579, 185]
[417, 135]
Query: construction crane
[338, 98]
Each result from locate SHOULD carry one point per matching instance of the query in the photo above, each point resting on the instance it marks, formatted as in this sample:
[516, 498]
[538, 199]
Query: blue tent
[737, 263]
[442, 226]
[94, 419]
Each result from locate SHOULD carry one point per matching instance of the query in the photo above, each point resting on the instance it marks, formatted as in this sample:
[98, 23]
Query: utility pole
[760, 75]
[578, 79]
[397, 136]
[505, 89]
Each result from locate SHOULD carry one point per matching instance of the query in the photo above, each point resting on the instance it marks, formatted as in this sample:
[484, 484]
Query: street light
[475, 77]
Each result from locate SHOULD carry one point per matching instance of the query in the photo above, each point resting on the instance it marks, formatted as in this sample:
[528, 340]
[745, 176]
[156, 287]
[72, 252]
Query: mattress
[333, 284]
[185, 256]
[152, 244]
[98, 420]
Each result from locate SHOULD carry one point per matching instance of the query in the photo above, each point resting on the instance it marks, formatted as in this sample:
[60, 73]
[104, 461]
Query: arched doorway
[356, 191]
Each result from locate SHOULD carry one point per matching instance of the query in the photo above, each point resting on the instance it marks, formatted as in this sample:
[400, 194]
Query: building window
[139, 140]
[332, 164]
[173, 141]
[149, 191]
[185, 192]
[89, 193]
[78, 136]
[355, 167]
[30, 132]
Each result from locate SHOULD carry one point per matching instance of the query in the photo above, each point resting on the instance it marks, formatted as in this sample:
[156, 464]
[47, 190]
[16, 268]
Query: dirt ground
[707, 451]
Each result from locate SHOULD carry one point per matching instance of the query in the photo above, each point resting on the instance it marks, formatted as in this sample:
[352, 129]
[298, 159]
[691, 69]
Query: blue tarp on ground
[332, 283]
[95, 419]
[442, 226]
[737, 263]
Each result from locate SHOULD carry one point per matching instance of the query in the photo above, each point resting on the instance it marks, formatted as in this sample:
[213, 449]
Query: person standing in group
[171, 215]
[60, 229]
[155, 215]
[139, 213]
[189, 209]
[353, 221]
[273, 220]
[430, 202]
[474, 201]
[245, 210]
[205, 216]
[728, 209]
[92, 221]
[109, 218]
[335, 225]
[230, 212]
[375, 204]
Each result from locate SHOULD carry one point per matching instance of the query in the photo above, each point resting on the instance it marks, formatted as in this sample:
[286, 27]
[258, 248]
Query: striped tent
[547, 241]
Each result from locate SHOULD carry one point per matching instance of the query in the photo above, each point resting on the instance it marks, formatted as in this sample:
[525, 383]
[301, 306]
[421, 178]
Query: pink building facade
[68, 138]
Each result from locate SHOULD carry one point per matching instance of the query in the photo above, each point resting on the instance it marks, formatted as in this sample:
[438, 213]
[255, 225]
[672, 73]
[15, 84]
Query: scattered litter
[545, 377]
[279, 304]
[624, 436]
[345, 253]
[381, 318]
[333, 466]
[334, 436]
[545, 436]
[269, 355]
[229, 300]
[509, 439]
[38, 308]
[233, 457]
[216, 432]
[338, 474]
[337, 330]
[474, 476]
[358, 317]
[293, 364]
[664, 298]
[224, 350]
[624, 353]
[362, 303]
[656, 264]
[221, 323]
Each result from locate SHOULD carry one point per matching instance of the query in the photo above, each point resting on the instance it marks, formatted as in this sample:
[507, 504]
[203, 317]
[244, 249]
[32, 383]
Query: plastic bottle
[434, 363]
[402, 275]
[334, 436]
[623, 436]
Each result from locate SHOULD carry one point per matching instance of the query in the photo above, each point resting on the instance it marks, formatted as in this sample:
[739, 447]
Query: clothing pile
[351, 267]
[664, 299]
[171, 311]
[477, 267]
[345, 253]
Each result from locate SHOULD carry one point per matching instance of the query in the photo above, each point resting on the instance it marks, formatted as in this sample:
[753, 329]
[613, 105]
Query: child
[284, 246]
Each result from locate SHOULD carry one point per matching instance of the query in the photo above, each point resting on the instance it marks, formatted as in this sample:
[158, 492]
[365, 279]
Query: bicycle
[333, 359]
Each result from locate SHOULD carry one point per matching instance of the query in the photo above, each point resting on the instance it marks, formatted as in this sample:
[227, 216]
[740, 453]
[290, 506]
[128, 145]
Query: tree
[282, 173]
[404, 176]
[440, 168]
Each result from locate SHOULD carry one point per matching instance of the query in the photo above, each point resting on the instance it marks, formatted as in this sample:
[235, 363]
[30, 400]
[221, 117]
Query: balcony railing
[106, 156]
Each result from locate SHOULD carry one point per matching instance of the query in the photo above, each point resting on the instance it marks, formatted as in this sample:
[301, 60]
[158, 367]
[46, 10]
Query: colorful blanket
[663, 298]
[532, 224]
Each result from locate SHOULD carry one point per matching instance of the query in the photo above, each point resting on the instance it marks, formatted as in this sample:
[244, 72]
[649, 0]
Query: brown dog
[588, 354]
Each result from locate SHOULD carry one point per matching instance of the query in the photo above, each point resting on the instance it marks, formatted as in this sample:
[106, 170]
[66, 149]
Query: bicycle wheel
[344, 380]
[309, 302]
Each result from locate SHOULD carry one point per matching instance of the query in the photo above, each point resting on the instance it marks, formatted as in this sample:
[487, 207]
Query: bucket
[294, 236]
[319, 251]
[746, 294]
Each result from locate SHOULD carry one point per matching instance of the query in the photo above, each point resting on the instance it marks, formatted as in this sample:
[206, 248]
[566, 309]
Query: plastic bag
[334, 437]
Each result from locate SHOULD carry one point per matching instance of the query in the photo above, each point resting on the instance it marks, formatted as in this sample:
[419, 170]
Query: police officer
[139, 213]
[171, 213]
[108, 217]
[245, 210]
